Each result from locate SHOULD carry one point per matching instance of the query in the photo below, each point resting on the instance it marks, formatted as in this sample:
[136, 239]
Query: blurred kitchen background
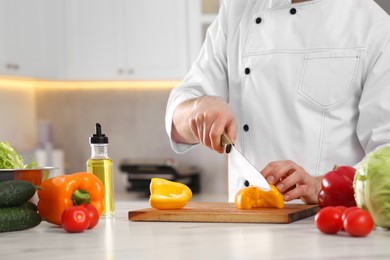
[68, 64]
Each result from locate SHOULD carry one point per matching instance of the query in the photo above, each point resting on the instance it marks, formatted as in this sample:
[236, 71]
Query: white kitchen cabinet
[90, 50]
[155, 38]
[24, 43]
[125, 39]
[21, 37]
[201, 14]
[2, 51]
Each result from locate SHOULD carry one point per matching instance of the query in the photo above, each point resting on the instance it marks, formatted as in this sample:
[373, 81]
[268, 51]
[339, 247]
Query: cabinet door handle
[130, 71]
[12, 66]
[120, 71]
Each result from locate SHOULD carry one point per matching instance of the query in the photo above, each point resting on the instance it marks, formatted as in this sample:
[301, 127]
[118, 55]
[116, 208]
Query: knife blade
[240, 166]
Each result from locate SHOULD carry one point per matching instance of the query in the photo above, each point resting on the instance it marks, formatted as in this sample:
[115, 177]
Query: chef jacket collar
[276, 3]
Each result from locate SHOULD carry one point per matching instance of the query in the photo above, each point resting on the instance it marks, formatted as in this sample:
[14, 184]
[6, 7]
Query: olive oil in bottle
[101, 166]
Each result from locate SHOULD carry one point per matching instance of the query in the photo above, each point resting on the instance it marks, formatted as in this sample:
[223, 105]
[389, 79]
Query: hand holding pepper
[293, 181]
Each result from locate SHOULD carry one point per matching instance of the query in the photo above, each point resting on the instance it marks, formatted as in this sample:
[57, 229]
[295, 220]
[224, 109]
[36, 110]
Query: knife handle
[226, 142]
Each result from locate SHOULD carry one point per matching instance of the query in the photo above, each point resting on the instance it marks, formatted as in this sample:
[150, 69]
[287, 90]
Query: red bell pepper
[337, 188]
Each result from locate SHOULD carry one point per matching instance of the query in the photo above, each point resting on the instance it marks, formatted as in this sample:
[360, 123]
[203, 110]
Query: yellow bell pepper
[165, 194]
[252, 197]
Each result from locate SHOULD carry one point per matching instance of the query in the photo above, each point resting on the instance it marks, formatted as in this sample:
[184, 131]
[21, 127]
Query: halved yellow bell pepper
[252, 197]
[165, 194]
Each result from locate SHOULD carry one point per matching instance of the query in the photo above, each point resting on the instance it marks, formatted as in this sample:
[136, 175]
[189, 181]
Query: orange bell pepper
[252, 197]
[166, 194]
[58, 193]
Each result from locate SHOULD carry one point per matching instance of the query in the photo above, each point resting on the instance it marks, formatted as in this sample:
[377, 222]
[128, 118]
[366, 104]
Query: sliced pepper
[58, 193]
[252, 197]
[165, 194]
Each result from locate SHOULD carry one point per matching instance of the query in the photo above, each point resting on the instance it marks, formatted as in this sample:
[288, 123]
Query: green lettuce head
[372, 186]
[10, 159]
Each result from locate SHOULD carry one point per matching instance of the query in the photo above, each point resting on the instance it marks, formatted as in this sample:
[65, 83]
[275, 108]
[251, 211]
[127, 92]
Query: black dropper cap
[98, 138]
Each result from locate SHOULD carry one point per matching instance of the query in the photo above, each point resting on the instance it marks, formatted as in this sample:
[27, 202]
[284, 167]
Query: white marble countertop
[120, 238]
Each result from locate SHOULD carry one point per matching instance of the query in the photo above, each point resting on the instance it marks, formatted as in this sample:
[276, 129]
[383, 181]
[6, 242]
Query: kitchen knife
[240, 166]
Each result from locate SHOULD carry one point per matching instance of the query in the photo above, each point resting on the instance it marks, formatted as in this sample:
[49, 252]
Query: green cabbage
[372, 186]
[10, 159]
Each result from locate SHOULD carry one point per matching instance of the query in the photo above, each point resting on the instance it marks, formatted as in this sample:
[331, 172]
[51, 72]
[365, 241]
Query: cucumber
[15, 192]
[14, 219]
[29, 205]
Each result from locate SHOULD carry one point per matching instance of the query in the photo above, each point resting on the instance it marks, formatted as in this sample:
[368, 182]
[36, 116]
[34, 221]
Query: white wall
[133, 119]
[18, 116]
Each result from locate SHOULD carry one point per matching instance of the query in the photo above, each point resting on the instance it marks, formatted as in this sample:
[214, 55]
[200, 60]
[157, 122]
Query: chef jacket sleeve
[207, 76]
[373, 126]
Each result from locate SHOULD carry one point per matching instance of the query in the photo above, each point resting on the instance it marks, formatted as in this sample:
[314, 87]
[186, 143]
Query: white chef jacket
[307, 82]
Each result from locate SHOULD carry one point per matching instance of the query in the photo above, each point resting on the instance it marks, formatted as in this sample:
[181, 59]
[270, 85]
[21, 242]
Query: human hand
[203, 120]
[293, 181]
[210, 118]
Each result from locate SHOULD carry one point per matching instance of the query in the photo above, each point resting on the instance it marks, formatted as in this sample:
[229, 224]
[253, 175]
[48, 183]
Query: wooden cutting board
[225, 213]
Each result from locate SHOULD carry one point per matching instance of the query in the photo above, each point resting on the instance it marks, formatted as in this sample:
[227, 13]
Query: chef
[300, 86]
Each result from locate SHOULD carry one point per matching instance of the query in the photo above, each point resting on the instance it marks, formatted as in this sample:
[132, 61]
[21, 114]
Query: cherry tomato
[75, 219]
[93, 214]
[341, 208]
[347, 211]
[328, 220]
[358, 223]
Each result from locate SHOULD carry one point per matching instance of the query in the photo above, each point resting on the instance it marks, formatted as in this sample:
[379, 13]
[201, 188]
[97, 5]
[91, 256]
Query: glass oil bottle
[101, 166]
